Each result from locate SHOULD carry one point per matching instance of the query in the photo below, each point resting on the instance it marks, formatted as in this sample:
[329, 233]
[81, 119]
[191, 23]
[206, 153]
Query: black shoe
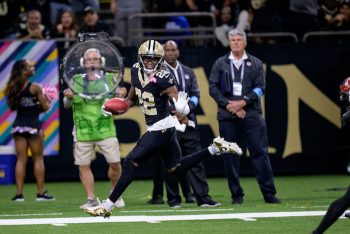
[210, 203]
[347, 215]
[174, 204]
[156, 201]
[272, 199]
[18, 198]
[190, 198]
[237, 200]
[44, 197]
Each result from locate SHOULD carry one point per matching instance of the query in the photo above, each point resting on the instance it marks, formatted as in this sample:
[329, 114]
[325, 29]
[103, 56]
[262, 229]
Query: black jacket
[221, 85]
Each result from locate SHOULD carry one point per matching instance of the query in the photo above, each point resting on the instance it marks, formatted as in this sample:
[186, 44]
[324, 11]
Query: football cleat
[226, 147]
[119, 203]
[98, 210]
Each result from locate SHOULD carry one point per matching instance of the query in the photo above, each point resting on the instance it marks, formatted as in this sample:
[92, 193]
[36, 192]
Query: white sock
[213, 149]
[108, 205]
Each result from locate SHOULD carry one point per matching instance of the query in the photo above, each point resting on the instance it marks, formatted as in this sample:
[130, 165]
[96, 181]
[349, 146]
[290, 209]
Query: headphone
[102, 59]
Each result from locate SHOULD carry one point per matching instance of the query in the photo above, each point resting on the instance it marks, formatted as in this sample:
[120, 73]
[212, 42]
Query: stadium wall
[301, 108]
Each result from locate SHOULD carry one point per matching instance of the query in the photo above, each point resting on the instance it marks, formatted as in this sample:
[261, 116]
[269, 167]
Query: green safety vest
[90, 123]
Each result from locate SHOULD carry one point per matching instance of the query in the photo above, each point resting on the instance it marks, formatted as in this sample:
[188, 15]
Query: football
[116, 106]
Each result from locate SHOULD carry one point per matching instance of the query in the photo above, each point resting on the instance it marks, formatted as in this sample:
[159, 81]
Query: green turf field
[299, 194]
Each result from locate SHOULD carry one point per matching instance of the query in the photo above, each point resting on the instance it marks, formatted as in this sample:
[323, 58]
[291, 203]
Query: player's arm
[121, 92]
[171, 92]
[131, 98]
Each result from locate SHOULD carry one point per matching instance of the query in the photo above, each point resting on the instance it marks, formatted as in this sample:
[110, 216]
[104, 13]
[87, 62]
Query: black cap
[89, 9]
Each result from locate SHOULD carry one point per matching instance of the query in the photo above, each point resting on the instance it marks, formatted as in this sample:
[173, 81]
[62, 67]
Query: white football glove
[103, 111]
[178, 126]
[181, 105]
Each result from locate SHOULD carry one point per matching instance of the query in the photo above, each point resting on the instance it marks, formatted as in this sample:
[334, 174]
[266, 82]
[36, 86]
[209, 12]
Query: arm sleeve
[259, 85]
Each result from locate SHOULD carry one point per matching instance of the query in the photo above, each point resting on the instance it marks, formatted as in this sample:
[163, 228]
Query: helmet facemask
[151, 64]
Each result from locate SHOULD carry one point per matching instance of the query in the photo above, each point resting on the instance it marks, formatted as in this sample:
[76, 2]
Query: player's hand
[178, 126]
[183, 119]
[181, 104]
[103, 111]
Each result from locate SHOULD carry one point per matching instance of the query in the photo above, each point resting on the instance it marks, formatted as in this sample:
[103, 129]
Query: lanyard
[181, 77]
[233, 71]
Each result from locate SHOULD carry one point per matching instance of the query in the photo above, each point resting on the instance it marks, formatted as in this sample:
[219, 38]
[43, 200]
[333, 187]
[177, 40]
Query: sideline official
[237, 82]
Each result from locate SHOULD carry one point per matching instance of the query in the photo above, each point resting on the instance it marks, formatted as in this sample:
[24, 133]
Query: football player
[152, 87]
[339, 206]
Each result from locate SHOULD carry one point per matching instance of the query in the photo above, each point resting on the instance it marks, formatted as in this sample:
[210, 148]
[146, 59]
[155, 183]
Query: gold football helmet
[150, 56]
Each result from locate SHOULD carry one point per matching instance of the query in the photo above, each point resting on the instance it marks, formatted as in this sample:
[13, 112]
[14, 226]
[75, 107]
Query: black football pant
[334, 211]
[164, 142]
[190, 143]
[158, 181]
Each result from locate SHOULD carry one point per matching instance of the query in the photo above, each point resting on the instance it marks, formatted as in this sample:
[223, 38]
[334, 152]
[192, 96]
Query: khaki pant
[85, 152]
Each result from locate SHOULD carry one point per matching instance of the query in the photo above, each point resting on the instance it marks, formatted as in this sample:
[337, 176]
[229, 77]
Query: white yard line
[21, 215]
[157, 219]
[304, 207]
[176, 210]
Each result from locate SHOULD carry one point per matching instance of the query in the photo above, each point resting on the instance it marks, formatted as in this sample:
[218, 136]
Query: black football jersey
[154, 105]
